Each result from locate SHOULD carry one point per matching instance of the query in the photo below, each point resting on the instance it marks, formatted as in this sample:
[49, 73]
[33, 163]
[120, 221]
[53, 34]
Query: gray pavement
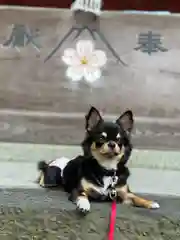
[32, 153]
[40, 199]
[30, 212]
[150, 181]
[39, 214]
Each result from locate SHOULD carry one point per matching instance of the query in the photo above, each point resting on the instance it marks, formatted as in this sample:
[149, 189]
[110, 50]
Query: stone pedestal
[42, 106]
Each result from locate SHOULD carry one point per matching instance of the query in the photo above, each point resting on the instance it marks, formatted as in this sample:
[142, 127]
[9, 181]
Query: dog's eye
[118, 136]
[103, 136]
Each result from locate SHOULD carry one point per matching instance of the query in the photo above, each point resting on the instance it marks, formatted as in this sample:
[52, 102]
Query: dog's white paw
[83, 204]
[154, 205]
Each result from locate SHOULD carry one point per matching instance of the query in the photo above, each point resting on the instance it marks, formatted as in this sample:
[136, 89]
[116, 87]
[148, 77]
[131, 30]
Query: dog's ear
[126, 121]
[92, 118]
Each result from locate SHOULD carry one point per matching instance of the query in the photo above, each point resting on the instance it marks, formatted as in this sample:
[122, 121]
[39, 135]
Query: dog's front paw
[154, 205]
[83, 204]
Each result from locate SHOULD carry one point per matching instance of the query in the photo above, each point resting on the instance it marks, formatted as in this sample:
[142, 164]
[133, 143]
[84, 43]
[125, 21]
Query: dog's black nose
[111, 144]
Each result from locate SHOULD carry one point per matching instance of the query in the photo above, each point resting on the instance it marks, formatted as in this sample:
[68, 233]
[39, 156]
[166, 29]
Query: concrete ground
[153, 172]
[142, 180]
[38, 105]
[39, 214]
[29, 212]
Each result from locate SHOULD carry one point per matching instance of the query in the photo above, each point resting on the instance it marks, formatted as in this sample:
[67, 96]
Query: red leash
[112, 221]
[113, 197]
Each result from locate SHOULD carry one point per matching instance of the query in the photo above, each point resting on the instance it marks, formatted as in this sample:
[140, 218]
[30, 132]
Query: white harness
[108, 180]
[60, 163]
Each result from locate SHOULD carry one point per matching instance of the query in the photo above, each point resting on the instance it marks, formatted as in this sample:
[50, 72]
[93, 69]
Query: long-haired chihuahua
[107, 148]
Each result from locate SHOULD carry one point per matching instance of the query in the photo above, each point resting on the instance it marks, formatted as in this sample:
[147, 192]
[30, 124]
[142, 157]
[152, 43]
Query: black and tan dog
[107, 148]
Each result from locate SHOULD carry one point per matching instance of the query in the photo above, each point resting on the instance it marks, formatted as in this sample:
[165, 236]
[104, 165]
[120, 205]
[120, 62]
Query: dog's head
[107, 141]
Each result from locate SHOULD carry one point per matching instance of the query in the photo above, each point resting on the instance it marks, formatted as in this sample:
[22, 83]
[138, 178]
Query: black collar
[108, 172]
[105, 172]
[95, 172]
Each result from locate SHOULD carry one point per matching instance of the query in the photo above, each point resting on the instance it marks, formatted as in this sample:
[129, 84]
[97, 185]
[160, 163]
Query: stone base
[35, 214]
[68, 129]
[43, 106]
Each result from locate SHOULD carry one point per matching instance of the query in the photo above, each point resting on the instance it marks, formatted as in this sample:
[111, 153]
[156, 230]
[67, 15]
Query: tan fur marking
[141, 202]
[93, 146]
[123, 193]
[87, 186]
[104, 149]
[83, 194]
[100, 154]
[41, 179]
[131, 198]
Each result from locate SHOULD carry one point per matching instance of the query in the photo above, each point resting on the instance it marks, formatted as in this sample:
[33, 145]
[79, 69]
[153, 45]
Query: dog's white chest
[107, 182]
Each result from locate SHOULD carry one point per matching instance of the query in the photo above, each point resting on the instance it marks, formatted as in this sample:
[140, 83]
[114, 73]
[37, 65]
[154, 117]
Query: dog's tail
[42, 166]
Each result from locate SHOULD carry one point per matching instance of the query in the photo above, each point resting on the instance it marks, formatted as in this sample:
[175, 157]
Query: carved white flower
[84, 61]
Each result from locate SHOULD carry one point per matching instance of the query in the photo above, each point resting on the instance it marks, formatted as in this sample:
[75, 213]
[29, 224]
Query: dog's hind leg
[130, 198]
[51, 177]
[42, 167]
[142, 202]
